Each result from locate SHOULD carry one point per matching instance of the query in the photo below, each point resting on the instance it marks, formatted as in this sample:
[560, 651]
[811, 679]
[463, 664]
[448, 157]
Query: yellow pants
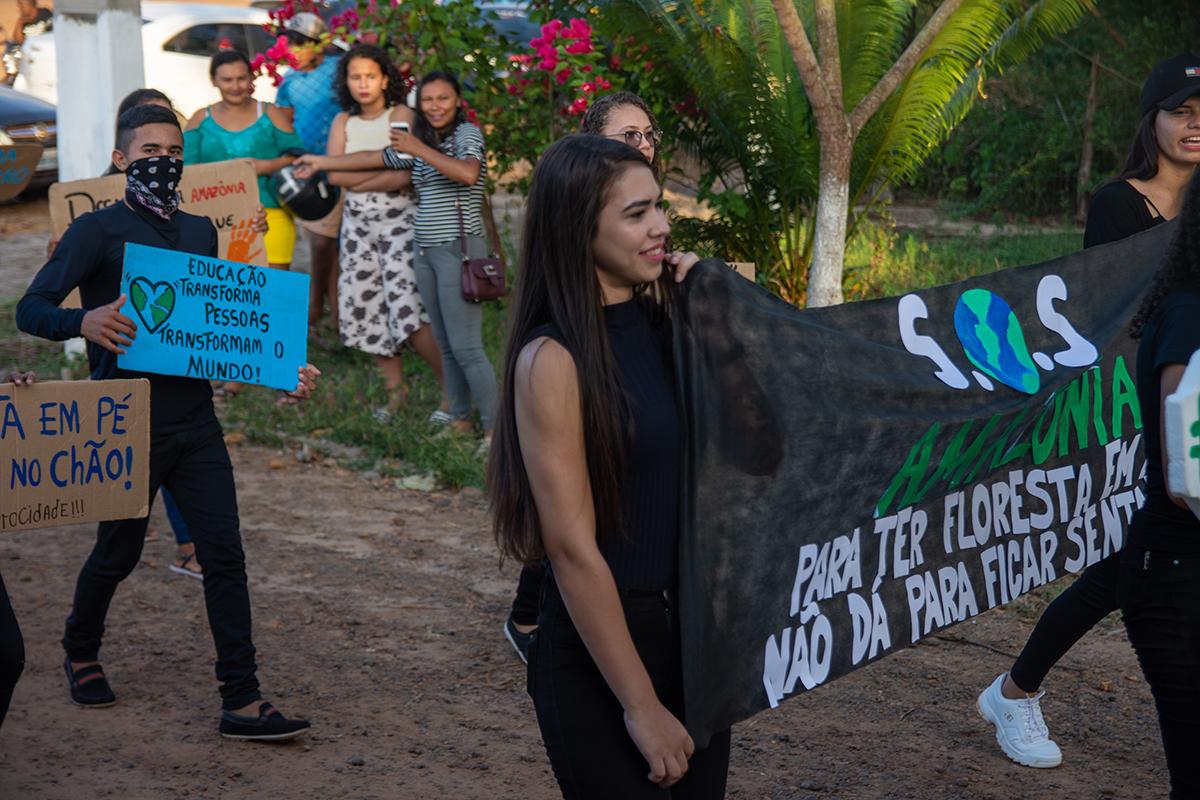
[280, 239]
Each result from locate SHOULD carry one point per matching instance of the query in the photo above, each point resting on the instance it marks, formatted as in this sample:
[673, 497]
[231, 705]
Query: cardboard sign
[18, 162]
[73, 451]
[1181, 427]
[220, 320]
[224, 191]
[746, 269]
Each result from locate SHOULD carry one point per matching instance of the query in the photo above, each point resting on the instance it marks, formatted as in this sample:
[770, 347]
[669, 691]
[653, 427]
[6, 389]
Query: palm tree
[794, 138]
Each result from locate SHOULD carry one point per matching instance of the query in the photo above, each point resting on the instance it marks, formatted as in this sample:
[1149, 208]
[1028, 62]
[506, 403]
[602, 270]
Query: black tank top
[643, 556]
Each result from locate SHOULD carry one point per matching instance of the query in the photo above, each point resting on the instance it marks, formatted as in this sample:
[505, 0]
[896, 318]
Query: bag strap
[462, 228]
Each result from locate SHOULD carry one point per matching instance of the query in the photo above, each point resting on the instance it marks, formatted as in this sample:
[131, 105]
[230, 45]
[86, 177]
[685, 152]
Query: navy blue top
[1170, 339]
[90, 257]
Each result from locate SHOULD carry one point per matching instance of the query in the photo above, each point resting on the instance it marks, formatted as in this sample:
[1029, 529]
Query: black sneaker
[268, 726]
[89, 687]
[519, 641]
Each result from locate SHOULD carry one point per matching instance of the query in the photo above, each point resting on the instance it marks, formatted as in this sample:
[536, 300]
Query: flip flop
[186, 564]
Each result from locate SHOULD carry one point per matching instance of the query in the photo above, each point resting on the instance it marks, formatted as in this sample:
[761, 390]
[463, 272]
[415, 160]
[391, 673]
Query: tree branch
[903, 66]
[830, 52]
[823, 106]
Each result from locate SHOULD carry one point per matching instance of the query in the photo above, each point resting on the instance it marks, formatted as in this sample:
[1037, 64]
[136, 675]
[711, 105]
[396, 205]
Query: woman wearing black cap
[1148, 192]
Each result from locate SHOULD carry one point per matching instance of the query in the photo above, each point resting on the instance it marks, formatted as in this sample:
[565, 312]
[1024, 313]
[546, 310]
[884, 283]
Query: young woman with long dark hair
[1160, 564]
[1163, 158]
[585, 473]
[379, 307]
[623, 117]
[449, 169]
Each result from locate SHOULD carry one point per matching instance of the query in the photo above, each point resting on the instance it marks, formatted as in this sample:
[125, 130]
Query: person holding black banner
[585, 472]
[1149, 191]
[12, 644]
[623, 117]
[1160, 565]
[187, 447]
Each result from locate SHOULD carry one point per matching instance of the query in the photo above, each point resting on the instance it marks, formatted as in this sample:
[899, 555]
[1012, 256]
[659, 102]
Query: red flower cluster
[268, 63]
[348, 19]
[565, 51]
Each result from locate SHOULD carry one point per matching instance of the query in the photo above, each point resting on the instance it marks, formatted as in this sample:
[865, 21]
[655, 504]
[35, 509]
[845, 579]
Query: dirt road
[378, 615]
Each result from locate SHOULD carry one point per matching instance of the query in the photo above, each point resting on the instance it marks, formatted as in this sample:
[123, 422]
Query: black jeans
[194, 465]
[1081, 606]
[1160, 602]
[12, 651]
[529, 590]
[582, 722]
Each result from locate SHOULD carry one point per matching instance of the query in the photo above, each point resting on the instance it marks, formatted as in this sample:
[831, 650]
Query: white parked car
[178, 40]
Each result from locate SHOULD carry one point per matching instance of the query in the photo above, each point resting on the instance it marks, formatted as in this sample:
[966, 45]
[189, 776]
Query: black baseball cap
[1171, 83]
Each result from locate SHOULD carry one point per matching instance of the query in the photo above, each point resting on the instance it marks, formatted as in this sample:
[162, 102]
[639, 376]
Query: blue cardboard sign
[202, 317]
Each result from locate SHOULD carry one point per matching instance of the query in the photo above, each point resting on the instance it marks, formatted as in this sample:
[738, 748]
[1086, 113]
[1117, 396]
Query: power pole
[98, 48]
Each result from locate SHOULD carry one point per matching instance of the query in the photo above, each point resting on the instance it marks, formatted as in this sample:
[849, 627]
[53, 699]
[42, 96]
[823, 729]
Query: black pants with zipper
[194, 465]
[582, 722]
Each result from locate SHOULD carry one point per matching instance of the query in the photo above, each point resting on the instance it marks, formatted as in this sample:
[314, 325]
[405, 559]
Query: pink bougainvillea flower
[370, 37]
[648, 66]
[604, 83]
[580, 46]
[578, 29]
[257, 63]
[514, 89]
[586, 68]
[538, 43]
[563, 75]
[579, 106]
[548, 64]
[588, 87]
[550, 29]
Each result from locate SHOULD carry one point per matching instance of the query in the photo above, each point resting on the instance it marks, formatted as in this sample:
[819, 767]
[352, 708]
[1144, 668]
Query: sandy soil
[378, 615]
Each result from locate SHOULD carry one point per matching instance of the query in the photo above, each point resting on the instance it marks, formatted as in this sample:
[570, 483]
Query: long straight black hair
[1142, 162]
[1181, 264]
[557, 286]
[421, 127]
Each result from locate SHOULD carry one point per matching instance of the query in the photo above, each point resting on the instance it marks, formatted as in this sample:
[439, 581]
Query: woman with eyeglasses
[623, 117]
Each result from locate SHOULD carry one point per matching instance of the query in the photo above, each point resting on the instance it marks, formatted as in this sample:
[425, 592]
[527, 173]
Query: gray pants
[458, 329]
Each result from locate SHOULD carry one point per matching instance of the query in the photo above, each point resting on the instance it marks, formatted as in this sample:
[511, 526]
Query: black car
[24, 119]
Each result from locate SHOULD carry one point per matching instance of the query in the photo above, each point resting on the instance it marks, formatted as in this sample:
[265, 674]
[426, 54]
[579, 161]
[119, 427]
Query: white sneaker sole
[181, 571]
[278, 737]
[508, 635]
[1020, 758]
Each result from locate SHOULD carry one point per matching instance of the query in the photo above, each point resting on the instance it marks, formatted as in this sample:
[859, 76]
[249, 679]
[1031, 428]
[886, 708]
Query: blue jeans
[175, 517]
[458, 329]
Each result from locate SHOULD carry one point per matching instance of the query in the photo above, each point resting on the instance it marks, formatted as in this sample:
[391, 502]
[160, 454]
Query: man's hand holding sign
[208, 318]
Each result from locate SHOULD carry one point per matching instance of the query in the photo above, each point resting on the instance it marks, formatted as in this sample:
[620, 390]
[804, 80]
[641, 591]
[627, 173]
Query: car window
[209, 39]
[259, 41]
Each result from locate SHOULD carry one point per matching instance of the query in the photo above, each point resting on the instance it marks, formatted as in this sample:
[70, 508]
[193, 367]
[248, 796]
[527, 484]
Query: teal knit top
[210, 142]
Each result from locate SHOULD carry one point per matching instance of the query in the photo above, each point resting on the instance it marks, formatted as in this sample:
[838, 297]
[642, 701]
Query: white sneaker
[1020, 730]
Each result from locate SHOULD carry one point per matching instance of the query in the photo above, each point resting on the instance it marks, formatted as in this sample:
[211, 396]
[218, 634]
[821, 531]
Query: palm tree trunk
[833, 208]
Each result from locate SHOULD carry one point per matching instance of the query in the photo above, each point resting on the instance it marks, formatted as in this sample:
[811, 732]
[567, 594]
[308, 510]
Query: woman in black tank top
[585, 474]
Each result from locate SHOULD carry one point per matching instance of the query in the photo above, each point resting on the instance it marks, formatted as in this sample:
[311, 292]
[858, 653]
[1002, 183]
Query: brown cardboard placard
[73, 451]
[224, 191]
[744, 268]
[17, 165]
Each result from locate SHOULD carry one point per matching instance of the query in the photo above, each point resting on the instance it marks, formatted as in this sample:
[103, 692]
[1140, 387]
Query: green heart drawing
[153, 302]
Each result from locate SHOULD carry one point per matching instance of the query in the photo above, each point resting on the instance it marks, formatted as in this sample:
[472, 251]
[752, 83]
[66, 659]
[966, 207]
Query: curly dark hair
[597, 114]
[1181, 264]
[393, 95]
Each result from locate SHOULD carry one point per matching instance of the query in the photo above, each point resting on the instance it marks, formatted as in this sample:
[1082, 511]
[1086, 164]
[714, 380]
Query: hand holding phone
[401, 126]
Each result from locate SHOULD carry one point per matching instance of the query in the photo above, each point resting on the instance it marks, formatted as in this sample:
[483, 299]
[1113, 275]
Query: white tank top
[367, 134]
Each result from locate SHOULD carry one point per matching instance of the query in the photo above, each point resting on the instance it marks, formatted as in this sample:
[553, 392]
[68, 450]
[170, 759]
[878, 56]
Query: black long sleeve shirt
[91, 257]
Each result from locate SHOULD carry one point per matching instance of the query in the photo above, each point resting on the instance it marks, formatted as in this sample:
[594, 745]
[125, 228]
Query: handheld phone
[400, 126]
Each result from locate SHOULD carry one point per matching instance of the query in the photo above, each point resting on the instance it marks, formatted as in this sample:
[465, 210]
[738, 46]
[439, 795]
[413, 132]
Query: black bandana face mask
[153, 184]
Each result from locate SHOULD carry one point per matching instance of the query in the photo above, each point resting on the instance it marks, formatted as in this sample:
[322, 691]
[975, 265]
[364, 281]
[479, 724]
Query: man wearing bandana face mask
[187, 447]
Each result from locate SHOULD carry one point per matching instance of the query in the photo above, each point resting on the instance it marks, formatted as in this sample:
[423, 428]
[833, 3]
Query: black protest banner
[862, 476]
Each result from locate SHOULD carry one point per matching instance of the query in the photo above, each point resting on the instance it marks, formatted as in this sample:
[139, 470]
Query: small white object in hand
[1181, 429]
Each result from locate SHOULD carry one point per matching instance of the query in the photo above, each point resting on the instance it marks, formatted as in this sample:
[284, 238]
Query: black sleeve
[1179, 334]
[1115, 215]
[214, 249]
[75, 259]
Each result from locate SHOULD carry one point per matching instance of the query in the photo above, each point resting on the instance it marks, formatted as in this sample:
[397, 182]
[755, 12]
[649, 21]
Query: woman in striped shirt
[449, 166]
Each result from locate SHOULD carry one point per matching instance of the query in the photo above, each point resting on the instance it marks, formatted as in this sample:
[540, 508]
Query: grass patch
[21, 352]
[881, 262]
[350, 389]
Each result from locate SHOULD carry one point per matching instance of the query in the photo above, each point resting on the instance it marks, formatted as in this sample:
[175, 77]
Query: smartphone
[400, 126]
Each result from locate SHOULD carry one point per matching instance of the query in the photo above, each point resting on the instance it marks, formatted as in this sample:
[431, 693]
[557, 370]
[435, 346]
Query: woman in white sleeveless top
[378, 302]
